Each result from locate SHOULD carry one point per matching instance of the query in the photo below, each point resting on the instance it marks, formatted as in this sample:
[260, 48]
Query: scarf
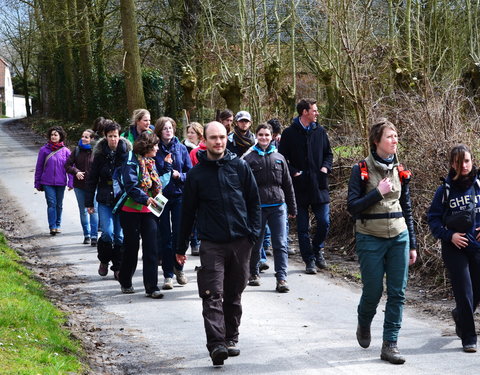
[149, 179]
[84, 147]
[187, 143]
[243, 141]
[55, 146]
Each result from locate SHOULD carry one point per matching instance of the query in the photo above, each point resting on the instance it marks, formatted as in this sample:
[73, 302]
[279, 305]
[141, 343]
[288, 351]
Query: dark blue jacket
[457, 200]
[130, 171]
[181, 163]
[307, 151]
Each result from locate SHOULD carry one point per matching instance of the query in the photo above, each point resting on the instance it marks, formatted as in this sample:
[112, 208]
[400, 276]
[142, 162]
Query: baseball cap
[243, 115]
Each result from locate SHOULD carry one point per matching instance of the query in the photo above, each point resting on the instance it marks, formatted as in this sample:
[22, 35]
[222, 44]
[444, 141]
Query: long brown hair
[457, 156]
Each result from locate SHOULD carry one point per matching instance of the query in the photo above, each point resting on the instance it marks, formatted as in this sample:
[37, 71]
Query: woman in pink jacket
[51, 177]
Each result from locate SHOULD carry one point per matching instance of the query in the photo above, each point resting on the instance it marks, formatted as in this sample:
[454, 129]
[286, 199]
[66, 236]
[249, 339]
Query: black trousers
[463, 266]
[222, 277]
[136, 225]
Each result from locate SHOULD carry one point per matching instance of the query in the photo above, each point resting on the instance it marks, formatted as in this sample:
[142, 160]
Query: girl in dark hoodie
[454, 218]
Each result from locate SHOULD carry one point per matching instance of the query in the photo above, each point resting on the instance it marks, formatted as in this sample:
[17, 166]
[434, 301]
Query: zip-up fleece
[223, 197]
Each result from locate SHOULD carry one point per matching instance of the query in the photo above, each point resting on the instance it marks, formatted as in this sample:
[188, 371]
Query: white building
[10, 105]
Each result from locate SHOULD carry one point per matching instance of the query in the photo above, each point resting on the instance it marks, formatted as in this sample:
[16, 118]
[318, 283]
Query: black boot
[104, 251]
[320, 261]
[363, 336]
[391, 353]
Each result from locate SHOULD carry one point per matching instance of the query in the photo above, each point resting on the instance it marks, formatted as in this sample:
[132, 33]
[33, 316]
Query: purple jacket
[53, 173]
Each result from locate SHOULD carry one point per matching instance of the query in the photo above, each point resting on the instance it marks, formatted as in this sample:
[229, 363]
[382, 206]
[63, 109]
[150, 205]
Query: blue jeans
[110, 223]
[311, 249]
[267, 242]
[275, 217]
[54, 196]
[169, 225]
[378, 257]
[89, 221]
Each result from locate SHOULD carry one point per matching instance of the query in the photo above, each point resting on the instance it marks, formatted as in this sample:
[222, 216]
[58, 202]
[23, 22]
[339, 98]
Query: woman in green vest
[379, 200]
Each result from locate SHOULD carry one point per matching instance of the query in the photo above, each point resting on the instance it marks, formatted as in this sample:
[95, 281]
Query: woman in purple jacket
[51, 177]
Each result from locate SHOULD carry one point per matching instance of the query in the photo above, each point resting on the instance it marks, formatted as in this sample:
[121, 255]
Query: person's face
[216, 141]
[112, 138]
[264, 137]
[152, 152]
[192, 136]
[311, 114]
[243, 125]
[465, 166]
[228, 122]
[388, 143]
[143, 123]
[167, 132]
[55, 136]
[86, 138]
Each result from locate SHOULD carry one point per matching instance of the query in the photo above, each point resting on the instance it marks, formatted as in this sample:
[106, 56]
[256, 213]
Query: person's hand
[181, 259]
[297, 174]
[175, 174]
[385, 186]
[413, 257]
[40, 189]
[151, 201]
[80, 175]
[69, 188]
[459, 240]
[292, 216]
[324, 170]
[90, 210]
[168, 159]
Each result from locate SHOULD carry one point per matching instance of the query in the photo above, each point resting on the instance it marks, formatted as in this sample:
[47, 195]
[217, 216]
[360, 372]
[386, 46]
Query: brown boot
[391, 354]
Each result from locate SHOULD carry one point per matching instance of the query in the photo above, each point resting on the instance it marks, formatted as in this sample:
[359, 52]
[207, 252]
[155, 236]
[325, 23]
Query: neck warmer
[55, 146]
[243, 141]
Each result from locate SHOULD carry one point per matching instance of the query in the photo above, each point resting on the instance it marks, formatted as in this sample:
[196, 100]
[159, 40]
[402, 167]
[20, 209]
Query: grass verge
[32, 339]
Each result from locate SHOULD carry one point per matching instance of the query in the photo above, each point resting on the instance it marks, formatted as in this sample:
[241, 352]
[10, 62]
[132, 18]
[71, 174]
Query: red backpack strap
[363, 171]
[404, 174]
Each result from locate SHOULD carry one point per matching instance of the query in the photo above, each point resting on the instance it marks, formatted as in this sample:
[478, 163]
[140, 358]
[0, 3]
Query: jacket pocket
[323, 181]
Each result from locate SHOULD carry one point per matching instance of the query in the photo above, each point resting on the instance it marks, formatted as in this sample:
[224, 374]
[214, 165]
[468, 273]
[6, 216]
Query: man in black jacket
[221, 193]
[307, 150]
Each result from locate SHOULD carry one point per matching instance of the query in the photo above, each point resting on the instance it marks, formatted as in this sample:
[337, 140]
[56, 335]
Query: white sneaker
[168, 283]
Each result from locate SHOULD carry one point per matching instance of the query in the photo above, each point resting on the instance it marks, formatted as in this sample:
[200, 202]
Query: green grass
[32, 340]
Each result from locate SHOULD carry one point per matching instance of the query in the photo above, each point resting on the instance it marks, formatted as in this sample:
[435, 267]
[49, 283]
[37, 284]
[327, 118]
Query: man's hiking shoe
[391, 353]
[86, 240]
[232, 349]
[167, 283]
[218, 355]
[282, 287]
[180, 275]
[254, 280]
[103, 269]
[310, 268]
[470, 348]
[129, 290]
[320, 261]
[263, 266]
[156, 294]
[363, 336]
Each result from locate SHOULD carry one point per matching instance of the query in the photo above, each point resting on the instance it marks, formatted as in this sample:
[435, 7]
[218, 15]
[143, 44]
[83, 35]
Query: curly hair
[145, 143]
[59, 130]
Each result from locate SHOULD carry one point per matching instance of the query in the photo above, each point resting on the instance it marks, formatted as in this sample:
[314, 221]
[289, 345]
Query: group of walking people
[243, 183]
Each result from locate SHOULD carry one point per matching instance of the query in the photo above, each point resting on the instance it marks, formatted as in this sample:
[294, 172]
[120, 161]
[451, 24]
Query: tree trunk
[132, 69]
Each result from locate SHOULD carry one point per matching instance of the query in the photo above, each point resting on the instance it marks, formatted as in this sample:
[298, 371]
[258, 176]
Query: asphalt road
[310, 330]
